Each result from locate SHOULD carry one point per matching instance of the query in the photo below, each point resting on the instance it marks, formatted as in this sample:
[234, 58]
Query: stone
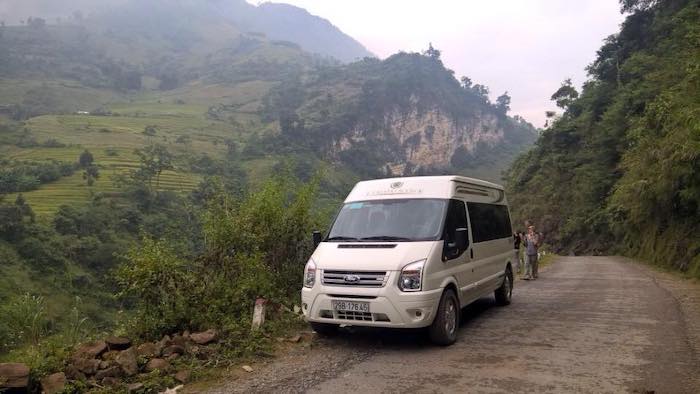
[14, 375]
[247, 368]
[148, 349]
[172, 357]
[157, 363]
[111, 381]
[105, 364]
[73, 373]
[118, 343]
[294, 339]
[90, 350]
[110, 355]
[128, 361]
[87, 366]
[111, 372]
[258, 314]
[183, 376]
[54, 383]
[186, 334]
[203, 338]
[297, 309]
[173, 349]
[134, 387]
[179, 340]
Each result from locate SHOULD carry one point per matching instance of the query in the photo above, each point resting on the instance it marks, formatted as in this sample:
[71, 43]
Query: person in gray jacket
[532, 244]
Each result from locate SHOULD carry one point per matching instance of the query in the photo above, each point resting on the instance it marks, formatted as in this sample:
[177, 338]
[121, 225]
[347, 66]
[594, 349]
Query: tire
[325, 329]
[443, 331]
[505, 292]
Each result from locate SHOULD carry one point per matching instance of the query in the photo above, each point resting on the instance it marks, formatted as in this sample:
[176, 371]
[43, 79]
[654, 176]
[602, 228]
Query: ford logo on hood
[351, 279]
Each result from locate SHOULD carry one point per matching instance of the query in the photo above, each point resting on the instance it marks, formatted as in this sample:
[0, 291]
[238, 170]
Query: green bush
[255, 247]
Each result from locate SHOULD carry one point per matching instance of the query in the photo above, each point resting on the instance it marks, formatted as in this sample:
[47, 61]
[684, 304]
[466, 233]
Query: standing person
[517, 239]
[532, 243]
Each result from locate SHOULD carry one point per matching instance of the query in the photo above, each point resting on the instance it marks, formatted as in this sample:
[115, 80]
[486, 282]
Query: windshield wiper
[385, 238]
[342, 238]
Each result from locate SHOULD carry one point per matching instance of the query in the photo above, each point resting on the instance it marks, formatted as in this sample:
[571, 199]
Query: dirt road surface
[589, 324]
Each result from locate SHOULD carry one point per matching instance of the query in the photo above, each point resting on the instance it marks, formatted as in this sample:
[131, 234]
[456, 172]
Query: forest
[618, 170]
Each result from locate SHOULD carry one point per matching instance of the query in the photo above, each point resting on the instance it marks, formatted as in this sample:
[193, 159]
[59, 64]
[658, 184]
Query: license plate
[350, 306]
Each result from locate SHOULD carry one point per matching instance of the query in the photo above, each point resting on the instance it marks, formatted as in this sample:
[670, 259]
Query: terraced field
[183, 129]
[74, 190]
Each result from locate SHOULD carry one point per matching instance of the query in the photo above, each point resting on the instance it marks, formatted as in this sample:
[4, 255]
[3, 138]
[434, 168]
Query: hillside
[121, 127]
[192, 24]
[406, 115]
[618, 172]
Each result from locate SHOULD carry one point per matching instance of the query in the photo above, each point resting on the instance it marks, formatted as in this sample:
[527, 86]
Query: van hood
[366, 256]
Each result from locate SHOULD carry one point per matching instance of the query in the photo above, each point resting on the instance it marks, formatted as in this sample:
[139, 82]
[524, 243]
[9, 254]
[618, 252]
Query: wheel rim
[450, 317]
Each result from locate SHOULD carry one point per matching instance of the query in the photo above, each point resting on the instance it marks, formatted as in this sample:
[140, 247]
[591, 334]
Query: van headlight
[310, 274]
[411, 277]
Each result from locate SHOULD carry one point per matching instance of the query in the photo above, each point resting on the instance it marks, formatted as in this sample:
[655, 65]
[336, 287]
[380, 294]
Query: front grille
[351, 315]
[345, 278]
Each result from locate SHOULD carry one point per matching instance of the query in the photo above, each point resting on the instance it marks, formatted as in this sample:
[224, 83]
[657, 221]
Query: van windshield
[389, 220]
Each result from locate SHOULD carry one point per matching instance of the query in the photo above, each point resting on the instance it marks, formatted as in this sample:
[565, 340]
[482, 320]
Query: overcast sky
[524, 47]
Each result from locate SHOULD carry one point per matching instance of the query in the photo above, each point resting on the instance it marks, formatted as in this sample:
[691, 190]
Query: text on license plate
[351, 306]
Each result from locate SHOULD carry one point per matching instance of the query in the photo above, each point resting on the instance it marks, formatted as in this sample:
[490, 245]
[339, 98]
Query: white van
[410, 252]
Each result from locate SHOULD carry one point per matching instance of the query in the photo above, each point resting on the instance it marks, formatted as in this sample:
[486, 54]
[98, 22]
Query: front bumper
[388, 306]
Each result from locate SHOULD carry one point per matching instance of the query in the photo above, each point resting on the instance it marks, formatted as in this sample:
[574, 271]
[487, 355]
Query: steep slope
[405, 115]
[197, 26]
[620, 170]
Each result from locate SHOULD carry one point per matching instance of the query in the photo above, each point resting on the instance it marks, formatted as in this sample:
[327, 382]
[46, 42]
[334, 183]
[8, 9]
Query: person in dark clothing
[517, 240]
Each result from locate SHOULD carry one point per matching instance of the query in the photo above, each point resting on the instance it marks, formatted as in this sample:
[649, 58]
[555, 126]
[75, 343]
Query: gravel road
[589, 324]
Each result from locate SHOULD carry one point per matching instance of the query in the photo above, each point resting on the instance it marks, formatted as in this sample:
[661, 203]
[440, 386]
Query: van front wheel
[505, 292]
[324, 329]
[443, 331]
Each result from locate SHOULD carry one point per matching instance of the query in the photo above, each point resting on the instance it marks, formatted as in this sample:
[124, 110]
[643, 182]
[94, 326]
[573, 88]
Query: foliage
[24, 320]
[242, 260]
[22, 176]
[618, 171]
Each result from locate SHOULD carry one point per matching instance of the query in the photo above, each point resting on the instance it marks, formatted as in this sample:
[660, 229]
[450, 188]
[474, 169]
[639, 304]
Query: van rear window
[489, 221]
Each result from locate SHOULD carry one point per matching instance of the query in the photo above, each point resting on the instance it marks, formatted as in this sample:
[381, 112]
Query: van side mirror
[316, 237]
[462, 239]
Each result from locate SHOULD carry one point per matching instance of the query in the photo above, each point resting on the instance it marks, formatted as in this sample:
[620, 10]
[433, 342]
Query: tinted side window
[456, 218]
[489, 221]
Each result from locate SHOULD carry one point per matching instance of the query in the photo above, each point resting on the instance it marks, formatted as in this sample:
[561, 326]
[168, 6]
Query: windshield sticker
[355, 205]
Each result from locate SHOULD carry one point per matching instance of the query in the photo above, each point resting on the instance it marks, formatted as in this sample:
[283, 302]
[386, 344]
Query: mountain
[618, 172]
[201, 24]
[406, 115]
[186, 121]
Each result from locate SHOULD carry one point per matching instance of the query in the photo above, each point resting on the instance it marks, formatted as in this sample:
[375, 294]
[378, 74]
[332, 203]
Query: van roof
[446, 186]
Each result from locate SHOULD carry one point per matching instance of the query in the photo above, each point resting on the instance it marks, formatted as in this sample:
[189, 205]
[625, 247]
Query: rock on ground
[203, 338]
[128, 362]
[54, 383]
[14, 375]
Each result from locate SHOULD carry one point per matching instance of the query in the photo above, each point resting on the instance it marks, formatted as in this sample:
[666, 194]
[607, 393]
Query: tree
[503, 103]
[86, 159]
[432, 53]
[636, 5]
[36, 23]
[565, 95]
[91, 174]
[481, 90]
[466, 83]
[153, 160]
